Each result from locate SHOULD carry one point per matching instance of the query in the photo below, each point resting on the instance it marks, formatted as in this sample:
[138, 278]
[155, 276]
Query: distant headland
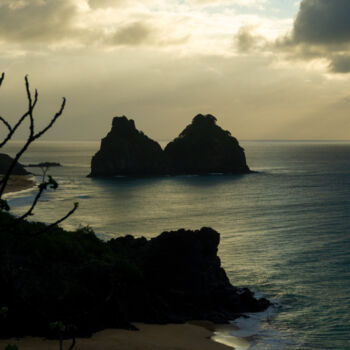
[202, 147]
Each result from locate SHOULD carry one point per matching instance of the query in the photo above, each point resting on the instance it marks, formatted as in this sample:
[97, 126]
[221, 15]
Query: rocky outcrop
[5, 163]
[183, 278]
[80, 280]
[127, 151]
[203, 147]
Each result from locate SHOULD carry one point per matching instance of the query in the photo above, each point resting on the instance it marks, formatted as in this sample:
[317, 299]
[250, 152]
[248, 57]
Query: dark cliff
[78, 279]
[203, 147]
[127, 151]
[183, 278]
[5, 163]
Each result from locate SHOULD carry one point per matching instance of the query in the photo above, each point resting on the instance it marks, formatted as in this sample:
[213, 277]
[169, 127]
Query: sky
[267, 69]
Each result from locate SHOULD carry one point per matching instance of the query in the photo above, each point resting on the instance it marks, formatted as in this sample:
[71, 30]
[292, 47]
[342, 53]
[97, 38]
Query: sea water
[285, 230]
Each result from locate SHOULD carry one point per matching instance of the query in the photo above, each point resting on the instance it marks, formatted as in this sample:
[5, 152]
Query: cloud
[322, 22]
[85, 23]
[133, 34]
[246, 40]
[105, 3]
[244, 3]
[321, 30]
[36, 20]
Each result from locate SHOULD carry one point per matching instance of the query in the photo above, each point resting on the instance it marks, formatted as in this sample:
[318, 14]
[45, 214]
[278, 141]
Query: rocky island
[201, 148]
[127, 151]
[204, 147]
[43, 165]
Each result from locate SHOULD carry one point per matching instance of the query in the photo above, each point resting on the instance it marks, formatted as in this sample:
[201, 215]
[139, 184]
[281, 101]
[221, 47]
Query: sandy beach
[19, 183]
[149, 337]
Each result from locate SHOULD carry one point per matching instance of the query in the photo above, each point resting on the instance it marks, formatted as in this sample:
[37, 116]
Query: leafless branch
[13, 130]
[49, 227]
[53, 120]
[73, 343]
[2, 77]
[32, 135]
[35, 202]
[6, 123]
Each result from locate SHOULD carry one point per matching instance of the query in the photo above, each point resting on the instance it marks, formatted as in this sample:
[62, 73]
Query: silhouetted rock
[78, 279]
[203, 147]
[5, 163]
[184, 279]
[127, 151]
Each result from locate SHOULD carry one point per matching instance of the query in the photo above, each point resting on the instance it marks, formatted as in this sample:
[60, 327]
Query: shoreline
[19, 183]
[196, 335]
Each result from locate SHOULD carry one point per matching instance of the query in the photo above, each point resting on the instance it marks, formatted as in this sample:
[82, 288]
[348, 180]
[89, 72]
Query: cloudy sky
[267, 69]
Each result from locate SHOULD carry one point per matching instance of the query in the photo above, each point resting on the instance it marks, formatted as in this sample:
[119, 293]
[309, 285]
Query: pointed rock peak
[201, 118]
[201, 124]
[123, 125]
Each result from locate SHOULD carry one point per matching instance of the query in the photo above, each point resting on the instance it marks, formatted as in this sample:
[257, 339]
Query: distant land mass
[5, 163]
[43, 165]
[202, 147]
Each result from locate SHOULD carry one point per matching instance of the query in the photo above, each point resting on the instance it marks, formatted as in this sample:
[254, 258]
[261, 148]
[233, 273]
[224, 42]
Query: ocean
[285, 230]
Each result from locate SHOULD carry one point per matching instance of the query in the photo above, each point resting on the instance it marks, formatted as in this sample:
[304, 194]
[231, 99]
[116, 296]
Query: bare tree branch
[49, 227]
[53, 120]
[2, 77]
[35, 202]
[73, 343]
[6, 123]
[13, 130]
[32, 136]
[30, 107]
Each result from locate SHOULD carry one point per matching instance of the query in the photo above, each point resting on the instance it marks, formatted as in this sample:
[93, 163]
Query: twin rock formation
[202, 148]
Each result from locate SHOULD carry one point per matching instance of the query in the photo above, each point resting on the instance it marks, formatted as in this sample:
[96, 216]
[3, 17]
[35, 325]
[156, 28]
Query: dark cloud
[321, 30]
[137, 33]
[323, 22]
[246, 40]
[143, 33]
[36, 20]
[44, 22]
[340, 63]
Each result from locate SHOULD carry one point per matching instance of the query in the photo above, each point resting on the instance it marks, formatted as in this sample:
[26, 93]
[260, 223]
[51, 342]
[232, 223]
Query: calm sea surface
[285, 231]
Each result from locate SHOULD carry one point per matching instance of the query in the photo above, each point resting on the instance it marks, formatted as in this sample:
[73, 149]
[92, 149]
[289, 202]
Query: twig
[10, 134]
[6, 123]
[35, 202]
[32, 136]
[49, 227]
[73, 343]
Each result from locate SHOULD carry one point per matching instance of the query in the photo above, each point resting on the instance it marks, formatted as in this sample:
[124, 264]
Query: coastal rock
[5, 163]
[128, 152]
[80, 280]
[203, 147]
[184, 279]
